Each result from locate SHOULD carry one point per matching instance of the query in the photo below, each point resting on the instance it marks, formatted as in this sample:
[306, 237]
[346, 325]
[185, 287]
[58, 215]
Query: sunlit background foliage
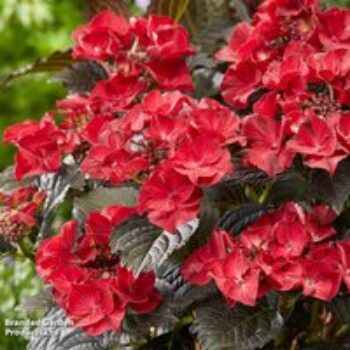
[30, 29]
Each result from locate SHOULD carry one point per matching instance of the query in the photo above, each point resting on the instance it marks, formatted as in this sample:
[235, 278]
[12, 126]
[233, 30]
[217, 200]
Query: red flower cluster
[136, 56]
[41, 146]
[171, 145]
[18, 212]
[284, 250]
[142, 51]
[88, 281]
[296, 58]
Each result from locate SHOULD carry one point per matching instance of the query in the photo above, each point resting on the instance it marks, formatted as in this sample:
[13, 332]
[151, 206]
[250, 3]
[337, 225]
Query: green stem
[343, 330]
[182, 11]
[26, 247]
[314, 313]
[185, 321]
[265, 195]
[251, 194]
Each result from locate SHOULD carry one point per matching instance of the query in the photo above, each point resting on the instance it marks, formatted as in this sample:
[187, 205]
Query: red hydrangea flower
[320, 280]
[169, 198]
[118, 93]
[138, 292]
[198, 266]
[319, 220]
[224, 261]
[165, 45]
[344, 252]
[274, 252]
[166, 131]
[116, 213]
[334, 30]
[316, 139]
[65, 278]
[55, 253]
[161, 37]
[291, 239]
[289, 75]
[170, 74]
[332, 67]
[257, 238]
[203, 161]
[76, 106]
[322, 273]
[216, 121]
[116, 166]
[95, 127]
[267, 147]
[237, 278]
[40, 144]
[94, 307]
[239, 83]
[102, 38]
[286, 274]
[343, 131]
[237, 40]
[88, 282]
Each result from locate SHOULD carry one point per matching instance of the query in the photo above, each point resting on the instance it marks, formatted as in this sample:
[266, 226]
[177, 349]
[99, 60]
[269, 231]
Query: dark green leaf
[57, 186]
[178, 339]
[226, 194]
[249, 176]
[81, 77]
[101, 197]
[240, 328]
[6, 249]
[289, 187]
[235, 220]
[205, 83]
[327, 346]
[232, 191]
[54, 334]
[206, 77]
[188, 297]
[171, 280]
[144, 247]
[8, 182]
[335, 189]
[208, 218]
[201, 60]
[340, 307]
[54, 63]
[139, 325]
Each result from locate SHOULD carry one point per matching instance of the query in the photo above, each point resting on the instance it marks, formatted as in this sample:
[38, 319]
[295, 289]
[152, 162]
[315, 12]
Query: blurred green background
[30, 29]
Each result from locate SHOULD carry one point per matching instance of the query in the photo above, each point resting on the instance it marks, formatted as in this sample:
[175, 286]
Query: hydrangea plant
[208, 181]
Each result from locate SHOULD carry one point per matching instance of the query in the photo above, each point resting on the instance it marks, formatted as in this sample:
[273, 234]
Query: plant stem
[314, 313]
[343, 330]
[264, 196]
[26, 247]
[181, 11]
[251, 194]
